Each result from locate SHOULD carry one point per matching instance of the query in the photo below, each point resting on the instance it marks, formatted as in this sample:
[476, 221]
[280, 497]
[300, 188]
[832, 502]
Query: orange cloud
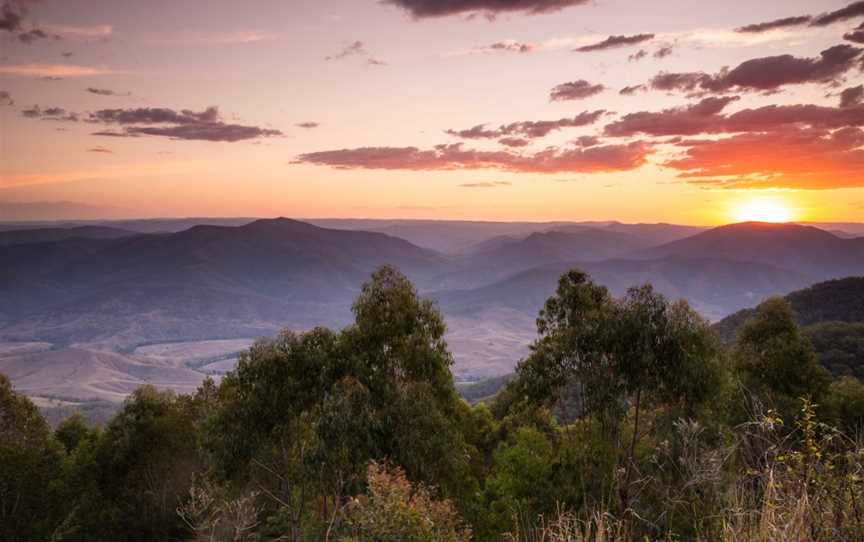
[798, 159]
[455, 157]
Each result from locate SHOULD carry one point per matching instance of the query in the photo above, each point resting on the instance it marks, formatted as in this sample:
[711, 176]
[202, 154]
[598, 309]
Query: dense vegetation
[629, 420]
[831, 314]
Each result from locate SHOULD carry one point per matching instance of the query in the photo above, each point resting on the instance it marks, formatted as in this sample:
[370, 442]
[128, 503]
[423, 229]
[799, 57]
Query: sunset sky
[676, 110]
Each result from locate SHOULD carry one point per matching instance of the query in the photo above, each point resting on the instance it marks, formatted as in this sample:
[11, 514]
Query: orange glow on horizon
[764, 210]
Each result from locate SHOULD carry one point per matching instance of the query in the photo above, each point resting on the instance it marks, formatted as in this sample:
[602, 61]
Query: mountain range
[107, 296]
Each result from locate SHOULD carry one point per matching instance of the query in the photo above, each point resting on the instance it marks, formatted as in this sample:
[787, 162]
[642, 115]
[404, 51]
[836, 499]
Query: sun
[763, 210]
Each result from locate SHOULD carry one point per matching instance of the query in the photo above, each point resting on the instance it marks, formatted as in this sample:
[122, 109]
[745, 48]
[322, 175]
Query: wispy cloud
[355, 48]
[454, 157]
[54, 70]
[222, 38]
[91, 31]
[485, 184]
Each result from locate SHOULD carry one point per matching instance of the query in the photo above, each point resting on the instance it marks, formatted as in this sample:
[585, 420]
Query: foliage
[839, 347]
[776, 361]
[395, 510]
[29, 463]
[838, 300]
[626, 422]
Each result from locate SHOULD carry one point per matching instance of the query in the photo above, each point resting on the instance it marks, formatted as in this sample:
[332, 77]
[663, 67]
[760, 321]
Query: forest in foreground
[629, 419]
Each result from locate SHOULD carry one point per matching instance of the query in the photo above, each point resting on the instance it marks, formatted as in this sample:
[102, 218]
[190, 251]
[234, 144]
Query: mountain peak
[280, 224]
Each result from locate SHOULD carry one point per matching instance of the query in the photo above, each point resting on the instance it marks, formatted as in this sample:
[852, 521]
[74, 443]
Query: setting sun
[763, 210]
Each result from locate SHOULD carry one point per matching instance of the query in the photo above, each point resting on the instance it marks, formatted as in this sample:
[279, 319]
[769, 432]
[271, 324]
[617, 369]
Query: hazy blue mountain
[208, 281]
[45, 235]
[714, 286]
[803, 249]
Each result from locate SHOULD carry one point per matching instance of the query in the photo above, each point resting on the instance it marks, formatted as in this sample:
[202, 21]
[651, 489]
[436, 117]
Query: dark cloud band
[421, 9]
[613, 42]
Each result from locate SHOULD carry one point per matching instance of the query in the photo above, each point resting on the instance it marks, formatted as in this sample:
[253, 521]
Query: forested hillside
[628, 420]
[832, 316]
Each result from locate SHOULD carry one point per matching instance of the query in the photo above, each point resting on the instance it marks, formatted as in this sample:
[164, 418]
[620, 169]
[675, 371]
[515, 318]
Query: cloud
[852, 96]
[422, 9]
[807, 159]
[613, 42]
[78, 31]
[692, 119]
[766, 74]
[704, 118]
[629, 91]
[455, 157]
[663, 52]
[112, 133]
[307, 125]
[206, 125]
[243, 36]
[514, 142]
[684, 82]
[774, 25]
[637, 56]
[52, 70]
[586, 141]
[528, 129]
[104, 92]
[575, 90]
[507, 46]
[356, 48]
[214, 131]
[52, 113]
[10, 17]
[155, 115]
[33, 35]
[484, 184]
[352, 49]
[6, 98]
[100, 150]
[855, 9]
[856, 35]
[185, 124]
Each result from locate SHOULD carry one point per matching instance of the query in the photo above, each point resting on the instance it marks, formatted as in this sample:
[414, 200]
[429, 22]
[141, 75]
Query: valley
[89, 312]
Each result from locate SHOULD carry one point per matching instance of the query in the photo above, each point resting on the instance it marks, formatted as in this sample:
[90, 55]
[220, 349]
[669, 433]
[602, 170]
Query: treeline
[629, 420]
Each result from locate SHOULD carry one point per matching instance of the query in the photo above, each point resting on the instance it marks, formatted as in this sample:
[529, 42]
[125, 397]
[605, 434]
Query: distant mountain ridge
[206, 281]
[47, 235]
[244, 279]
[804, 249]
[838, 300]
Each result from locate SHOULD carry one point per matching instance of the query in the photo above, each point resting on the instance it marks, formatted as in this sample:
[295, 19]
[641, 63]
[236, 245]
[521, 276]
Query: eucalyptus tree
[619, 357]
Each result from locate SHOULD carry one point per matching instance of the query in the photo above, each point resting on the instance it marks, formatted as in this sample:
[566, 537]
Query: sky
[683, 111]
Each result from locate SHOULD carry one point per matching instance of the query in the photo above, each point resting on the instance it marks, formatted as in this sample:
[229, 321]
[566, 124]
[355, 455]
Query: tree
[30, 463]
[776, 362]
[844, 405]
[144, 465]
[302, 415]
[398, 338]
[619, 357]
